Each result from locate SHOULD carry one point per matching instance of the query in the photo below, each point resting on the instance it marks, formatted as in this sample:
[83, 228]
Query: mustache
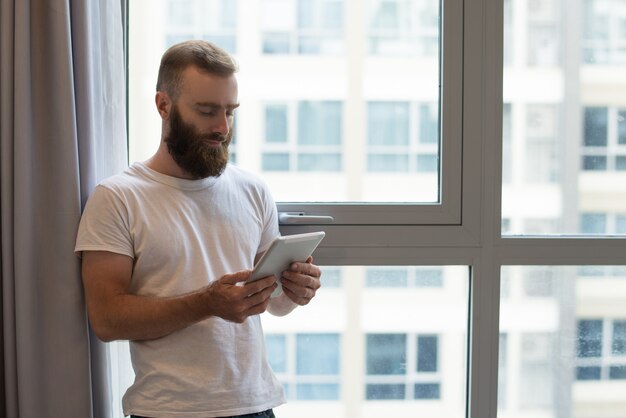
[213, 137]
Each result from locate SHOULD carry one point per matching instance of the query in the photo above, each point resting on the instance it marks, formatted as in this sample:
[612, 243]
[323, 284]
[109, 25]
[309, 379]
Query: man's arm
[300, 283]
[116, 314]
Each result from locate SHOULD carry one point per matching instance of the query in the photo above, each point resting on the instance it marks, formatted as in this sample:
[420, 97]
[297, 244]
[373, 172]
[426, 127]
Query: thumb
[240, 276]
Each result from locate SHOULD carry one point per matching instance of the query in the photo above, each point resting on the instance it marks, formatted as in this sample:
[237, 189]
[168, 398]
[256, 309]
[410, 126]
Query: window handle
[295, 218]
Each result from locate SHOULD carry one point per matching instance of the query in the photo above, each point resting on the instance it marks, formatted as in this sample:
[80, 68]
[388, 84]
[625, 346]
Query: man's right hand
[234, 299]
[116, 314]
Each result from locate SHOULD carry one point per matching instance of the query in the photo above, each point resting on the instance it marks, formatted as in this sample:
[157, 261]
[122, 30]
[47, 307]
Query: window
[404, 277]
[402, 137]
[537, 386]
[604, 139]
[601, 350]
[603, 223]
[604, 37]
[314, 144]
[561, 148]
[553, 343]
[388, 361]
[513, 179]
[302, 26]
[543, 32]
[404, 27]
[543, 164]
[211, 20]
[306, 364]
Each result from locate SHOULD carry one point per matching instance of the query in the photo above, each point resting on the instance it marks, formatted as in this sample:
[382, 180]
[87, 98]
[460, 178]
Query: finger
[240, 276]
[306, 268]
[299, 295]
[301, 280]
[259, 285]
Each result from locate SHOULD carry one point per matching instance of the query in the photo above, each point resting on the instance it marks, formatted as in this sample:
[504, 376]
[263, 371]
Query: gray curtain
[62, 129]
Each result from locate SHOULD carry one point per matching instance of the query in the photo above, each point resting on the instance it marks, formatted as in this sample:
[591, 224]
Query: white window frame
[448, 210]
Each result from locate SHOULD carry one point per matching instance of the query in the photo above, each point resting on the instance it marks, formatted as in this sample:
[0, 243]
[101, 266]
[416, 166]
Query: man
[166, 250]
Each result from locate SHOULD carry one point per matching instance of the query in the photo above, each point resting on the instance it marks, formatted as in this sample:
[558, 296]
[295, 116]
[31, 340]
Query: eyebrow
[217, 105]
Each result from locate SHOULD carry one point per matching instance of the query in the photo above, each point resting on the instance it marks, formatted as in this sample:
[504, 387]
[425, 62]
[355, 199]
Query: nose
[222, 124]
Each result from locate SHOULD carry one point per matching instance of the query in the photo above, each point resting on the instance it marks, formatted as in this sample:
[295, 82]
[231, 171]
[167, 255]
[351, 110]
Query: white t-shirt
[183, 234]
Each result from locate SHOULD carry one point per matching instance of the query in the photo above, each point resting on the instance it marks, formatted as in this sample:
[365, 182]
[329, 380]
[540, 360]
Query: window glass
[318, 354]
[543, 32]
[390, 276]
[621, 127]
[603, 32]
[299, 136]
[302, 26]
[277, 352]
[536, 377]
[388, 123]
[386, 354]
[276, 123]
[596, 126]
[619, 338]
[403, 27]
[211, 20]
[296, 75]
[593, 223]
[378, 336]
[402, 137]
[563, 152]
[562, 350]
[319, 123]
[542, 149]
[427, 353]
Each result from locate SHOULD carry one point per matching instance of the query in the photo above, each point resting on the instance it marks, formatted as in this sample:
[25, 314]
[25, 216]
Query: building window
[404, 27]
[402, 137]
[536, 389]
[542, 162]
[604, 141]
[302, 26]
[211, 20]
[404, 277]
[595, 223]
[308, 365]
[601, 350]
[304, 136]
[604, 37]
[543, 33]
[401, 366]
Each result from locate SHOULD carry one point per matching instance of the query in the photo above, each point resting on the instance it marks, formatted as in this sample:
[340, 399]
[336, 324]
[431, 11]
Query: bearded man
[167, 244]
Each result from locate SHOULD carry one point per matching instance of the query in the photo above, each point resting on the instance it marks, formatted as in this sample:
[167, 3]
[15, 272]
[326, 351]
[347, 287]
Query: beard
[191, 151]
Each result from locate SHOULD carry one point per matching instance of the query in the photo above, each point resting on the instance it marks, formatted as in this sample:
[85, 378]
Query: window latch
[301, 218]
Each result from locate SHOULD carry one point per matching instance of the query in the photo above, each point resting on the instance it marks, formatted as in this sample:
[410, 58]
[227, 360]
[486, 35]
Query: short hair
[203, 55]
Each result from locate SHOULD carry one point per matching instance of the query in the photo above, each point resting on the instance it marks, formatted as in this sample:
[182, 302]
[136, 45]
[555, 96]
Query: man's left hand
[301, 281]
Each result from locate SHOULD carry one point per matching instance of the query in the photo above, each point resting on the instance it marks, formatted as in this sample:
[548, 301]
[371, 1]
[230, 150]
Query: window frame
[466, 228]
[448, 210]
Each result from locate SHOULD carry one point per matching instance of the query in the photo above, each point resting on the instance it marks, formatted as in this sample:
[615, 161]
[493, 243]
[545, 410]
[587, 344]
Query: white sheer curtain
[62, 129]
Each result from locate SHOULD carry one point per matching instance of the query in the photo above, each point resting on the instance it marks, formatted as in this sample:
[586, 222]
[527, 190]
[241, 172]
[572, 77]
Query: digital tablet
[282, 252]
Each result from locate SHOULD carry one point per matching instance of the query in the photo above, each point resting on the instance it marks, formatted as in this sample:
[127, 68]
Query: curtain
[62, 129]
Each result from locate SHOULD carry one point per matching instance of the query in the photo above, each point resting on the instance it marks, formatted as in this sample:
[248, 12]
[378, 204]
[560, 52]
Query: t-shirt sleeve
[104, 225]
[270, 218]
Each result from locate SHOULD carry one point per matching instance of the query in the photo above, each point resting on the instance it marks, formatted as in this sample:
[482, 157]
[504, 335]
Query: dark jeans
[264, 414]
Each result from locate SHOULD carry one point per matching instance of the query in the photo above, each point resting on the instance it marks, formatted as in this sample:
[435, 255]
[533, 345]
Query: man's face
[200, 123]
[194, 151]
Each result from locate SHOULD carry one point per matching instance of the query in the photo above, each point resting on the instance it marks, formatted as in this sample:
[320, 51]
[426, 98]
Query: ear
[163, 103]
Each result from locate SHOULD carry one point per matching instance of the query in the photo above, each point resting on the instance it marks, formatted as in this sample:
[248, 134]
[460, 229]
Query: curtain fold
[62, 130]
